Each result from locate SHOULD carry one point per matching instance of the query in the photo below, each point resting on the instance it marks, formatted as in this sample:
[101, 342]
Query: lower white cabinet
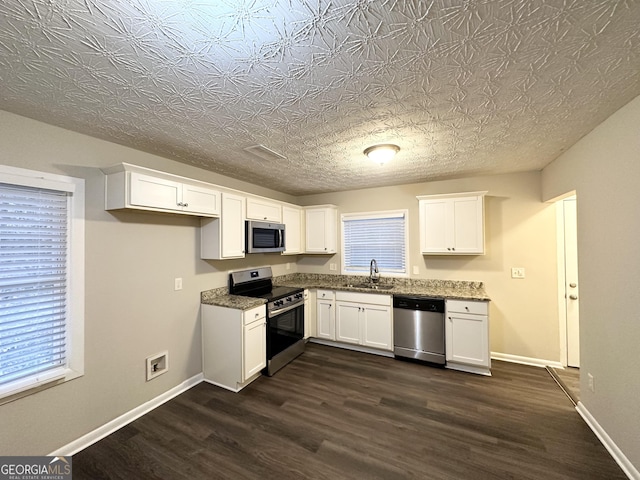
[364, 319]
[467, 336]
[234, 345]
[325, 315]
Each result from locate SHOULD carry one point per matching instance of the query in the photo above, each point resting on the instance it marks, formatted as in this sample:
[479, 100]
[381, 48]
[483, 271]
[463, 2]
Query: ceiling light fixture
[381, 153]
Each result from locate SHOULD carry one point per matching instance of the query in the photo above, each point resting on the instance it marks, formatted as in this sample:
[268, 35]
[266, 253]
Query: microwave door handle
[280, 238]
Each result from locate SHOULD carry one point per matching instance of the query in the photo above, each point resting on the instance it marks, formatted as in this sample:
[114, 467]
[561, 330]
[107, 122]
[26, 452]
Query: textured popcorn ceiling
[463, 87]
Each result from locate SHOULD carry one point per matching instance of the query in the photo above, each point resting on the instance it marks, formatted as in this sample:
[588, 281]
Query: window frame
[371, 216]
[74, 367]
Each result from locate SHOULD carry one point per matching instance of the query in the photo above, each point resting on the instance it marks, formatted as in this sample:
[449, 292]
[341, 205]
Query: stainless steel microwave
[264, 237]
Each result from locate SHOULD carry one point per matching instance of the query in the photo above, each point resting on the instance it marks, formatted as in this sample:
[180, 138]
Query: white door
[571, 281]
[255, 348]
[232, 219]
[326, 320]
[377, 327]
[348, 322]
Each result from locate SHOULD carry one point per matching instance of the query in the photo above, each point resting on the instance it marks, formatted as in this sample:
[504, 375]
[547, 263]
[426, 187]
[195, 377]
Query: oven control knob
[288, 299]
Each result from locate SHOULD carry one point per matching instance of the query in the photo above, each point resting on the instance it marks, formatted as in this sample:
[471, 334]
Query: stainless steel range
[285, 314]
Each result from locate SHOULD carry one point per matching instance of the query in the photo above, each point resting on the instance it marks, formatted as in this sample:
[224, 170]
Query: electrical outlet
[288, 266]
[416, 270]
[333, 266]
[592, 386]
[517, 272]
[177, 285]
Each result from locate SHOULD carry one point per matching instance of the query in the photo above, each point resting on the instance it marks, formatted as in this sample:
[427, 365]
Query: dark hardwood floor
[336, 414]
[569, 381]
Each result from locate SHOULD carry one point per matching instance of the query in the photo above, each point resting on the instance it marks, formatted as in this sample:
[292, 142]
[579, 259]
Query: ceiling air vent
[264, 153]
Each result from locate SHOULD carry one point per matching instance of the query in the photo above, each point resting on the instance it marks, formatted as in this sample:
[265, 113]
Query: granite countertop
[447, 289]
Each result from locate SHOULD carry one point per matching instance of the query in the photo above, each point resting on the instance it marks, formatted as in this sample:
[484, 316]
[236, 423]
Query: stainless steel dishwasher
[418, 328]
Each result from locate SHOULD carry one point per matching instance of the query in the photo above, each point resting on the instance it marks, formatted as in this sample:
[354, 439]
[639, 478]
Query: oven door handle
[273, 313]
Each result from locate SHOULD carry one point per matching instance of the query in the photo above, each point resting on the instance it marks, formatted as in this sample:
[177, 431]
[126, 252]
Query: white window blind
[381, 237]
[34, 243]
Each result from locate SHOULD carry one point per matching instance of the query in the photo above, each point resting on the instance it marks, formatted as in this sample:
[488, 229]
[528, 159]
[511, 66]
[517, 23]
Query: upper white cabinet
[364, 319]
[224, 237]
[467, 336]
[452, 224]
[129, 186]
[292, 217]
[263, 209]
[321, 229]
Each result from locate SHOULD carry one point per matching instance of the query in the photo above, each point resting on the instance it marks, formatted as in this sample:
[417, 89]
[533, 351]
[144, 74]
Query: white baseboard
[124, 419]
[620, 458]
[535, 362]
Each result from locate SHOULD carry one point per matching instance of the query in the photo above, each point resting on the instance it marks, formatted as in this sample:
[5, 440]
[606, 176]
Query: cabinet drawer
[465, 306]
[326, 295]
[254, 314]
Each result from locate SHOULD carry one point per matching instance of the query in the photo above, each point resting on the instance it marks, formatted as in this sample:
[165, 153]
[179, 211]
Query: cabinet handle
[450, 318]
[573, 297]
[573, 285]
[257, 315]
[185, 204]
[453, 248]
[466, 308]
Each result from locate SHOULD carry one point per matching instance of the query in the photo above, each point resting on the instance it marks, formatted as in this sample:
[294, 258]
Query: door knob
[573, 297]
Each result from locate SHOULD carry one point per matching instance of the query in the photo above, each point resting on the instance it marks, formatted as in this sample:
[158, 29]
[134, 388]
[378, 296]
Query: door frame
[562, 301]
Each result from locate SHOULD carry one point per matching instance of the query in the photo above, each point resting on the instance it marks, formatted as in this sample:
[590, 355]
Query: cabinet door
[259, 209]
[202, 200]
[292, 219]
[326, 320]
[321, 230]
[467, 339]
[315, 235]
[434, 237]
[254, 356]
[148, 191]
[467, 232]
[348, 322]
[377, 327]
[232, 223]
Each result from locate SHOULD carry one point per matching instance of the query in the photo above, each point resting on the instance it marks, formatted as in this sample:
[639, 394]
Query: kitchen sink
[369, 286]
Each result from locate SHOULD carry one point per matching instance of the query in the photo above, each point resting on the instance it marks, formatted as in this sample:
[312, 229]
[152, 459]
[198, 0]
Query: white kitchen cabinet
[233, 345]
[224, 237]
[325, 315]
[452, 224]
[263, 209]
[321, 229]
[309, 315]
[131, 187]
[292, 218]
[467, 336]
[364, 319]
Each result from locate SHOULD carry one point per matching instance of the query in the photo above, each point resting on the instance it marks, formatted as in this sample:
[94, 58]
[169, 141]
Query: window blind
[380, 236]
[34, 227]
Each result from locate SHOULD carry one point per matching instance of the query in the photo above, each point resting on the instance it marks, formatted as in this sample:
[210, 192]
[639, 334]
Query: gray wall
[132, 310]
[604, 169]
[520, 231]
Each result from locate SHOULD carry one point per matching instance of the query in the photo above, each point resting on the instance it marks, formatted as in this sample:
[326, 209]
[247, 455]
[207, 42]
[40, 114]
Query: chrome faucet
[374, 273]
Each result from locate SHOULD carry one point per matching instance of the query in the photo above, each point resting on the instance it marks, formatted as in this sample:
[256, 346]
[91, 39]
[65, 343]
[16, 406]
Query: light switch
[517, 272]
[178, 284]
